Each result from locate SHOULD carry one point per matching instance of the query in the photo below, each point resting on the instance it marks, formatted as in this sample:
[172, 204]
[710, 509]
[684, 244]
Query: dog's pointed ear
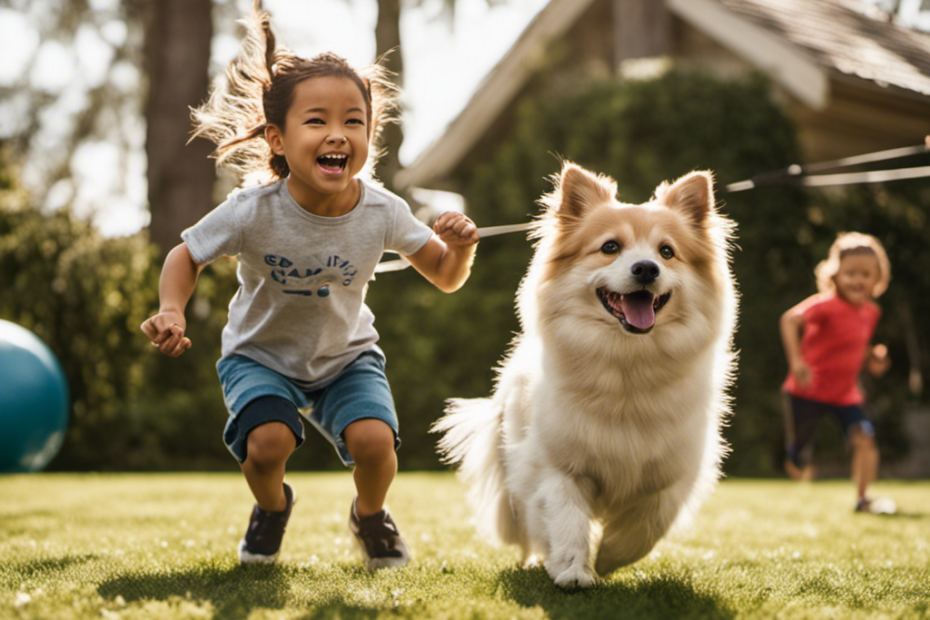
[580, 190]
[691, 195]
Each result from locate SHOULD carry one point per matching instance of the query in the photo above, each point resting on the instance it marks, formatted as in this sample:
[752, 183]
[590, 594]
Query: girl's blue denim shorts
[361, 391]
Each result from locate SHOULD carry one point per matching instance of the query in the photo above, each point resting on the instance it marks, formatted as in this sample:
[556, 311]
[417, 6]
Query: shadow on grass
[903, 515]
[659, 597]
[233, 592]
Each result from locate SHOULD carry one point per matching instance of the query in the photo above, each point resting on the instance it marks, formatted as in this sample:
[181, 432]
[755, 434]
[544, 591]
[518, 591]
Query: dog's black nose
[645, 271]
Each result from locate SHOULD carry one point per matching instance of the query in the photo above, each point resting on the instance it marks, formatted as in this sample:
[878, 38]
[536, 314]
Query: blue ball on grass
[33, 401]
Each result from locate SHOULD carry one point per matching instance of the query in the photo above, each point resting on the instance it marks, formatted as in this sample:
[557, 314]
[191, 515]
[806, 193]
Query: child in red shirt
[827, 341]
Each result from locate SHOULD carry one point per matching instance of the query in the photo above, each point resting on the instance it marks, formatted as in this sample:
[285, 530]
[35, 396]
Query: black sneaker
[262, 540]
[379, 540]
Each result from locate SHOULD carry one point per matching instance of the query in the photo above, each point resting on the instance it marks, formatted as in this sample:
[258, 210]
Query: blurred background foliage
[86, 295]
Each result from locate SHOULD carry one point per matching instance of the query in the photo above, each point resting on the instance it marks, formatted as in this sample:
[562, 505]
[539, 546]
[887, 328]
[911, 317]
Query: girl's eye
[666, 252]
[611, 247]
[314, 121]
[355, 121]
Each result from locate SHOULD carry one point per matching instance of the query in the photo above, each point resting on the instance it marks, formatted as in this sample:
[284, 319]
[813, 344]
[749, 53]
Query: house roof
[801, 44]
[848, 37]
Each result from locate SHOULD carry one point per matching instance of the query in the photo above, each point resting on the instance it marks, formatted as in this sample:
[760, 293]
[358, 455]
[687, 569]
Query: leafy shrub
[85, 296]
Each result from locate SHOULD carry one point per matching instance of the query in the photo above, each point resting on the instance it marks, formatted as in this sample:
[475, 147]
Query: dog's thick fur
[604, 425]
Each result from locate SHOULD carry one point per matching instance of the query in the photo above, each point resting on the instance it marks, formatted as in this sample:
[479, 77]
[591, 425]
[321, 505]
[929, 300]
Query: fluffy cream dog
[604, 425]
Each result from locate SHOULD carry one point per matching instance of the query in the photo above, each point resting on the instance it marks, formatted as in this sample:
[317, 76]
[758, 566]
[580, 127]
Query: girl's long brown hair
[258, 91]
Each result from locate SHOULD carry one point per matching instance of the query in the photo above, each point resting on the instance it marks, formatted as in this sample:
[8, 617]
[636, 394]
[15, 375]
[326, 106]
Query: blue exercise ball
[33, 401]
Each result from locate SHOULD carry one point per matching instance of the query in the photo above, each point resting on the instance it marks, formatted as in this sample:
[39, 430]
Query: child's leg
[263, 429]
[801, 417]
[269, 447]
[262, 436]
[864, 459]
[356, 412]
[371, 444]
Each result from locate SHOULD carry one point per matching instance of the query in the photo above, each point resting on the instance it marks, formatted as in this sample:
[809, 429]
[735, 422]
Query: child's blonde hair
[258, 92]
[847, 244]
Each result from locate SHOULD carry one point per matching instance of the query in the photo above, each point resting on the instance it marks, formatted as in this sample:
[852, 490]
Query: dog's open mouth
[636, 310]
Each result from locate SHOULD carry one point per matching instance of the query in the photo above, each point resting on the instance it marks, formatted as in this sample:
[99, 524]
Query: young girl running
[299, 333]
[827, 340]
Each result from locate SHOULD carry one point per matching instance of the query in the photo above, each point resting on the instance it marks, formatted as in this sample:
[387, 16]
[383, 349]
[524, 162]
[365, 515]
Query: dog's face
[635, 269]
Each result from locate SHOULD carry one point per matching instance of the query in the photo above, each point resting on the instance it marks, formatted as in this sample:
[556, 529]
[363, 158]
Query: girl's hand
[456, 229]
[166, 331]
[802, 373]
[877, 362]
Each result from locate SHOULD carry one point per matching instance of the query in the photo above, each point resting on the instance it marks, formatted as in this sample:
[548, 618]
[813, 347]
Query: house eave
[784, 63]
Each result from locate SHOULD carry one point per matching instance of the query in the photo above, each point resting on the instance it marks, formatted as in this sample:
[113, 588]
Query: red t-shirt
[836, 334]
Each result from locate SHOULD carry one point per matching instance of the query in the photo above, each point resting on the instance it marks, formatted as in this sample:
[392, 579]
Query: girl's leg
[269, 447]
[371, 444]
[864, 460]
[271, 427]
[801, 417]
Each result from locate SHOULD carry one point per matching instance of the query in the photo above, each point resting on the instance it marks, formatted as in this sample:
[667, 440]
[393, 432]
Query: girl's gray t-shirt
[300, 308]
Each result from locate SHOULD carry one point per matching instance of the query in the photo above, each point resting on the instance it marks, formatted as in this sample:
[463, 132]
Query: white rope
[792, 172]
[875, 176]
[489, 231]
[802, 173]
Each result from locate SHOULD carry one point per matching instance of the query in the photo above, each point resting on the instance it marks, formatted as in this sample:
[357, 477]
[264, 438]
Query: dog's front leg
[631, 533]
[561, 524]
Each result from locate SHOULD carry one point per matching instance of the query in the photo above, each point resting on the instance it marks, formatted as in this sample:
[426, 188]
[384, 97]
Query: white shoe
[877, 506]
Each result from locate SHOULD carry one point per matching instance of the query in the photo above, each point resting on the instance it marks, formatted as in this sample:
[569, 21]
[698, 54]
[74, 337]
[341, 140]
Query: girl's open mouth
[332, 163]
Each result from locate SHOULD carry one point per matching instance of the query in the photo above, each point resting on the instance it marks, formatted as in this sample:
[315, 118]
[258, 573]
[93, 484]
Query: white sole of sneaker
[379, 563]
[257, 558]
[254, 558]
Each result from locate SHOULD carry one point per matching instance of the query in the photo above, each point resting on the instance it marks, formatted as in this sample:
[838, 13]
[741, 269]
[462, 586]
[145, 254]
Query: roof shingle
[847, 37]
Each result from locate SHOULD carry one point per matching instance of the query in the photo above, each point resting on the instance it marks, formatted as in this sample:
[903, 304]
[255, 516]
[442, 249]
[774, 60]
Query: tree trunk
[387, 38]
[180, 176]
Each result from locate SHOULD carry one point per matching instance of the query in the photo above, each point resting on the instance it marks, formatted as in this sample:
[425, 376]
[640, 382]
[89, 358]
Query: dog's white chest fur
[623, 433]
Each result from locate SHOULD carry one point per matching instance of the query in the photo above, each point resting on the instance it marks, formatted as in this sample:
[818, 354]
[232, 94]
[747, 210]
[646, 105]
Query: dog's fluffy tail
[473, 438]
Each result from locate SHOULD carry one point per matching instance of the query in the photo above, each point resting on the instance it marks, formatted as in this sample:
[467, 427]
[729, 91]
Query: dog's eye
[666, 252]
[611, 247]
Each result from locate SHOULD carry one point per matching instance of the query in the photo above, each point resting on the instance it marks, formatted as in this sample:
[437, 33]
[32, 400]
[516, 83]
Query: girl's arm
[877, 361]
[178, 280]
[446, 258]
[792, 324]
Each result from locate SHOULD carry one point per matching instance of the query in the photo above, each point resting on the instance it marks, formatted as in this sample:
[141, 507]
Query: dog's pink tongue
[637, 307]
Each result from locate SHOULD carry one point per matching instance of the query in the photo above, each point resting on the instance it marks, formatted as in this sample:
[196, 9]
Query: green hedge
[85, 296]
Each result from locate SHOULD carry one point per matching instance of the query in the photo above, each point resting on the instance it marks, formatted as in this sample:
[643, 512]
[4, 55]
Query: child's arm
[792, 324]
[446, 258]
[177, 283]
[877, 361]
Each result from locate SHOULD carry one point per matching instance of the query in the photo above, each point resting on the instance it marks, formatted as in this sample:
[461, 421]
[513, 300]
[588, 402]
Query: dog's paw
[574, 578]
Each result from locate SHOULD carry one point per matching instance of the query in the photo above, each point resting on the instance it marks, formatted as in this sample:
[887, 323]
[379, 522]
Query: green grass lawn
[163, 546]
